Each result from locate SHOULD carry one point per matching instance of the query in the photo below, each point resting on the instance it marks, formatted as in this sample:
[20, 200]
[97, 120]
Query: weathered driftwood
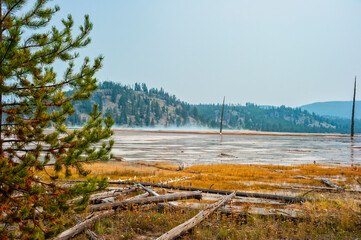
[288, 199]
[244, 214]
[91, 235]
[301, 177]
[148, 190]
[113, 193]
[314, 188]
[186, 226]
[81, 226]
[140, 196]
[223, 192]
[156, 199]
[176, 180]
[98, 196]
[318, 189]
[104, 200]
[65, 185]
[155, 166]
[90, 220]
[330, 184]
[121, 189]
[153, 193]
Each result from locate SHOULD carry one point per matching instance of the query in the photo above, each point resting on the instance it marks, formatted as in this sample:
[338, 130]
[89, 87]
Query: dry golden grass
[226, 176]
[331, 216]
[323, 219]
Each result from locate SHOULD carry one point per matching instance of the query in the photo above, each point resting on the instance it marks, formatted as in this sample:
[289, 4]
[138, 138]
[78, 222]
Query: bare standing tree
[353, 109]
[220, 130]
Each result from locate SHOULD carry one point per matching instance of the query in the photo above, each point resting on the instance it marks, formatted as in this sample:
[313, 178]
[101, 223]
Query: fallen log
[153, 193]
[287, 199]
[176, 180]
[301, 177]
[140, 196]
[156, 199]
[117, 188]
[330, 184]
[89, 221]
[223, 192]
[98, 196]
[155, 166]
[91, 235]
[318, 189]
[147, 190]
[81, 226]
[243, 214]
[186, 226]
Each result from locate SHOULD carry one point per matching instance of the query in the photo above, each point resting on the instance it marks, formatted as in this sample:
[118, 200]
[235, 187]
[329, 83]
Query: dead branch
[330, 184]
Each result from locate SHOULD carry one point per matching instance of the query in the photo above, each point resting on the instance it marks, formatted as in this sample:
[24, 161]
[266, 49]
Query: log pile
[142, 201]
[288, 199]
[102, 209]
[108, 209]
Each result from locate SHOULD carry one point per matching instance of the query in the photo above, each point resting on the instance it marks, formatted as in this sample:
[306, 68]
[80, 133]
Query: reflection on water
[236, 149]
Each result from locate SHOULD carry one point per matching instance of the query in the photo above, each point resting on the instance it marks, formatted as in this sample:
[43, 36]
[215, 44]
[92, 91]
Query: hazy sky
[267, 52]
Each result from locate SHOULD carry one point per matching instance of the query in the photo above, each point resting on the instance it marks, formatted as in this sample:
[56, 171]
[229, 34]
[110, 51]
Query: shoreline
[239, 133]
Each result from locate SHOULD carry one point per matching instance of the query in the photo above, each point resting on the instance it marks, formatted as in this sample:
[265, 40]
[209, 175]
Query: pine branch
[9, 11]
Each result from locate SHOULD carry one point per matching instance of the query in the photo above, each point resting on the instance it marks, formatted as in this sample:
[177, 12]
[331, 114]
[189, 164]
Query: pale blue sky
[266, 52]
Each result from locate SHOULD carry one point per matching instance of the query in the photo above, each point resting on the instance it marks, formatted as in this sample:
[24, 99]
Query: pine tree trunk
[1, 89]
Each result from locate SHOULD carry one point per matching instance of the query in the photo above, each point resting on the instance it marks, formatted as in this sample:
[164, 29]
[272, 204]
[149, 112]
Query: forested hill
[275, 119]
[139, 106]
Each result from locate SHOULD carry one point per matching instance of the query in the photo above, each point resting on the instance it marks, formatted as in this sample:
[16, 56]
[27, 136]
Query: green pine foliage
[35, 105]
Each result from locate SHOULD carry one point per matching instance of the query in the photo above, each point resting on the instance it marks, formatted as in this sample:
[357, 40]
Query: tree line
[139, 106]
[275, 119]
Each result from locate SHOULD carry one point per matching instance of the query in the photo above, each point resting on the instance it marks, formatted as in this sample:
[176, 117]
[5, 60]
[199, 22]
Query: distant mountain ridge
[138, 106]
[340, 109]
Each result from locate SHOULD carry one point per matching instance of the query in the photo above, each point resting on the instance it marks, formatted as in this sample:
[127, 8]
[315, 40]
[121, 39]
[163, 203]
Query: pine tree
[32, 99]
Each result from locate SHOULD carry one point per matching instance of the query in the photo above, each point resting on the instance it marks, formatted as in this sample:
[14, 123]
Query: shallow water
[236, 149]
